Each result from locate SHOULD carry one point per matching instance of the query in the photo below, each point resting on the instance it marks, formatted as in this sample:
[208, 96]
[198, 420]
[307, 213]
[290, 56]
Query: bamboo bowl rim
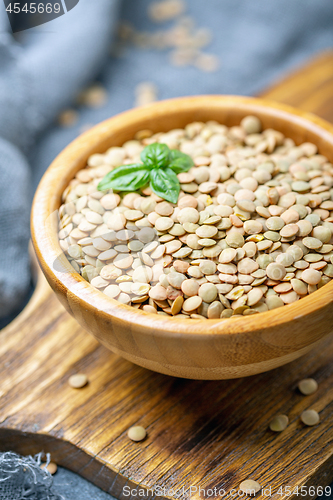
[63, 276]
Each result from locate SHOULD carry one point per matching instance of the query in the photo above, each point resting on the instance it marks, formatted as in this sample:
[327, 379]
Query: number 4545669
[33, 8]
[304, 491]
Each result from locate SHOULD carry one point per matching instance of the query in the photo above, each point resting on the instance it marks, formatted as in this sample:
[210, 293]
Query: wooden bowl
[196, 349]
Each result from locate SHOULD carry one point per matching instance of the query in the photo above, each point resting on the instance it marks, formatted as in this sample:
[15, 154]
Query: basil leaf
[155, 155]
[180, 162]
[125, 178]
[164, 183]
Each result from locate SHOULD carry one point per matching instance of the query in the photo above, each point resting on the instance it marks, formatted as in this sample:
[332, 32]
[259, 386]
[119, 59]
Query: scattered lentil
[249, 487]
[279, 423]
[78, 380]
[51, 467]
[94, 96]
[307, 386]
[192, 303]
[310, 417]
[137, 433]
[68, 118]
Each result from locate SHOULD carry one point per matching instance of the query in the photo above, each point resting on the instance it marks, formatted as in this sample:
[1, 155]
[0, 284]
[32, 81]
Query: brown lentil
[137, 433]
[78, 380]
[310, 417]
[248, 234]
[307, 386]
[51, 467]
[279, 423]
[249, 487]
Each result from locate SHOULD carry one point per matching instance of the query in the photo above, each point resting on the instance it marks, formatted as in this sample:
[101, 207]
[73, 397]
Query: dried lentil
[78, 380]
[137, 433]
[249, 487]
[249, 233]
[307, 386]
[279, 423]
[310, 417]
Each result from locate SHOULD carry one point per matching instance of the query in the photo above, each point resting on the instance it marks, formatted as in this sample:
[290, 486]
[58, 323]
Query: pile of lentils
[252, 229]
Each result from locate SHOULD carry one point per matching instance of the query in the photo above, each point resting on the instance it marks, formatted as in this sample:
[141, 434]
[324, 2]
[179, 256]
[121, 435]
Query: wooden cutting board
[200, 434]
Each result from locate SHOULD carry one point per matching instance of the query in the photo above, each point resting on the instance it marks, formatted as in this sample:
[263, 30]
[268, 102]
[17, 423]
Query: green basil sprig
[159, 168]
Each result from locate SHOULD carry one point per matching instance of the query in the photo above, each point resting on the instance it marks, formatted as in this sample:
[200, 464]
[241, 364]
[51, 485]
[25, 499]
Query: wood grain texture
[310, 88]
[196, 349]
[206, 434]
[200, 433]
